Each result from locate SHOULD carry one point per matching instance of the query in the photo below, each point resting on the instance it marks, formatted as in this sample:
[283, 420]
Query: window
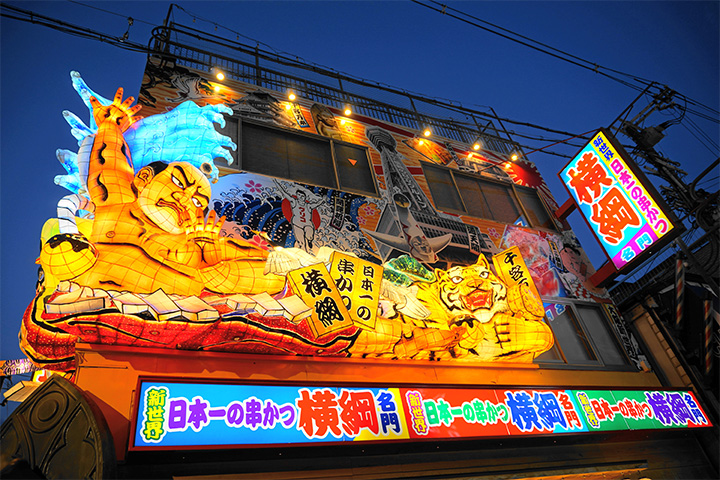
[455, 191]
[535, 208]
[597, 326]
[443, 189]
[582, 337]
[300, 157]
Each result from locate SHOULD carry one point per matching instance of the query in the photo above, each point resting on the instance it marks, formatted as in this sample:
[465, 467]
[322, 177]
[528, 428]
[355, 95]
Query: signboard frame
[479, 390]
[676, 228]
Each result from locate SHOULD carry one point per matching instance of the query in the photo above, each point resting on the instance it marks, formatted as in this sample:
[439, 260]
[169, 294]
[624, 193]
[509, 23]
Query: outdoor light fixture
[218, 73]
[427, 132]
[348, 111]
[291, 96]
[476, 146]
[514, 157]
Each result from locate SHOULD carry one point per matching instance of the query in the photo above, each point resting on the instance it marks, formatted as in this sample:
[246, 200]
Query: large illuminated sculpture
[136, 259]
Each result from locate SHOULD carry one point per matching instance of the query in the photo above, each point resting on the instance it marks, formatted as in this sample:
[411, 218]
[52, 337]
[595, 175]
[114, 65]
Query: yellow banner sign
[358, 283]
[512, 270]
[316, 288]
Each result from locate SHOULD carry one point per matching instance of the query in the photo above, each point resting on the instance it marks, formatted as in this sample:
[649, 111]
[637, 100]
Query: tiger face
[472, 290]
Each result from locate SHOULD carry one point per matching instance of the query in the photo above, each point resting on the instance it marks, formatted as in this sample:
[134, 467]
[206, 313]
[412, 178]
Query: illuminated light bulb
[427, 132]
[348, 112]
[476, 146]
[514, 157]
[220, 76]
[291, 96]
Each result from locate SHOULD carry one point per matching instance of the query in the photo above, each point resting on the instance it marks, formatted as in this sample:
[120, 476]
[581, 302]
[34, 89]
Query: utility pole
[683, 196]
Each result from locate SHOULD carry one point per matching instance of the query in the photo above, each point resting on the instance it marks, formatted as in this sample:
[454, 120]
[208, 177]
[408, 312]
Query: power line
[559, 54]
[69, 28]
[554, 52]
[88, 33]
[111, 12]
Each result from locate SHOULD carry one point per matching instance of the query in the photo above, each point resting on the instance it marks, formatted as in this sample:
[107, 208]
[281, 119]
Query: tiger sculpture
[469, 314]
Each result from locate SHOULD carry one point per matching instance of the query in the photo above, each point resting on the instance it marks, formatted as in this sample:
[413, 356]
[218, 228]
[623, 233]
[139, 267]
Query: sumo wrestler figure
[149, 230]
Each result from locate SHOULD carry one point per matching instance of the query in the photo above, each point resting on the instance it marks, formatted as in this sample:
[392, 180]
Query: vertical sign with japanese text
[358, 283]
[511, 268]
[619, 203]
[317, 289]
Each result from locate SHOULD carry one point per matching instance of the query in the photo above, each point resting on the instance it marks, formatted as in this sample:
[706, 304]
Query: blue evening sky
[398, 43]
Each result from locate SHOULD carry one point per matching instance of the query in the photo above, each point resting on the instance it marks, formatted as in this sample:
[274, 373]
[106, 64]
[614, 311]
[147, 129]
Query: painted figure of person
[301, 211]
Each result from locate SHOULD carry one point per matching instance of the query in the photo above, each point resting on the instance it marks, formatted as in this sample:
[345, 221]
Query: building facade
[274, 274]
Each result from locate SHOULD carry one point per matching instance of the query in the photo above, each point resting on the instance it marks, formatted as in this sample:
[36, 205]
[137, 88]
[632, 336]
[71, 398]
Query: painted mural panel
[160, 244]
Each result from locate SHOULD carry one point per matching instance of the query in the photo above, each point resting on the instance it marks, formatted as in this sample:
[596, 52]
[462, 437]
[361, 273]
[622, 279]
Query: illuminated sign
[192, 415]
[512, 270]
[622, 208]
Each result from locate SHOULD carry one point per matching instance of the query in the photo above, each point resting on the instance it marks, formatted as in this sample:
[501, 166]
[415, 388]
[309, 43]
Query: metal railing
[202, 51]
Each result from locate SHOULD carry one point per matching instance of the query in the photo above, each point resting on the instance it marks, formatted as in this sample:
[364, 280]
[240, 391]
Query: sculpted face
[421, 245]
[473, 288]
[173, 198]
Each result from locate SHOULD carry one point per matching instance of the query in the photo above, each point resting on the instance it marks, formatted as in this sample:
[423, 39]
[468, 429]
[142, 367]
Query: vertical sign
[512, 270]
[316, 288]
[621, 206]
[358, 283]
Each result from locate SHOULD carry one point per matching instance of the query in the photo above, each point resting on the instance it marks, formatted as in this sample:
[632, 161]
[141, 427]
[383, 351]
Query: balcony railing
[202, 51]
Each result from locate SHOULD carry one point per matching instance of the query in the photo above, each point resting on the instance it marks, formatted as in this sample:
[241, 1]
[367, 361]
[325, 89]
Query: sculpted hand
[206, 234]
[118, 112]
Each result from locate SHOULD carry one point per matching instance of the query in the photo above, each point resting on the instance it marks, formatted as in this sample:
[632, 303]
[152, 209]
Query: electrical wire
[111, 12]
[559, 54]
[125, 44]
[554, 52]
[69, 28]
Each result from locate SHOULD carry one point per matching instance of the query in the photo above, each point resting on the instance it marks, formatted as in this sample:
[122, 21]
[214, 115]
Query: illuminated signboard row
[618, 202]
[200, 415]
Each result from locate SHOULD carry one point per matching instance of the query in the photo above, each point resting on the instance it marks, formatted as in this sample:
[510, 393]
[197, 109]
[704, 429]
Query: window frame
[597, 364]
[492, 180]
[548, 212]
[331, 143]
